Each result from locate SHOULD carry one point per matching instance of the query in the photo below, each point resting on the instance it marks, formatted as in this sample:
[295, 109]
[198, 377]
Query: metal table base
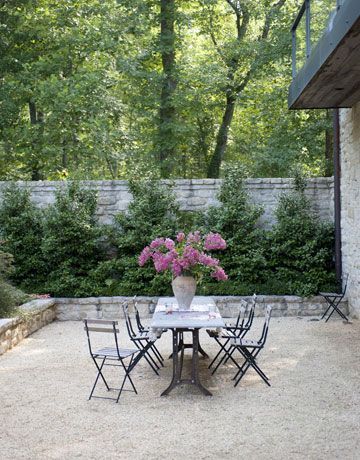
[179, 346]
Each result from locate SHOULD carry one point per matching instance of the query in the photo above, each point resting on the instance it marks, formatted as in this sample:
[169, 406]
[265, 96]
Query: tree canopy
[93, 89]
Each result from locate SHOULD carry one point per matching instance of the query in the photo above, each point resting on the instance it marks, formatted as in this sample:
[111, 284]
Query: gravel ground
[312, 409]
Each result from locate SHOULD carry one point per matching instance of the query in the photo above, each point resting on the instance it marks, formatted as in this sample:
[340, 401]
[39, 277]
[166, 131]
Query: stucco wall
[350, 202]
[193, 195]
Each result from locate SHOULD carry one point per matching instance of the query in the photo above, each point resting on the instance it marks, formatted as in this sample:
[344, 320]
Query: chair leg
[153, 357]
[157, 354]
[339, 312]
[328, 308]
[99, 368]
[244, 367]
[150, 355]
[126, 376]
[216, 357]
[250, 361]
[144, 352]
[226, 354]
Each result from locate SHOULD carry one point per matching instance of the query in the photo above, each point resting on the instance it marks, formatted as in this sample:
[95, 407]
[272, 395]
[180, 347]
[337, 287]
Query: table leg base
[179, 346]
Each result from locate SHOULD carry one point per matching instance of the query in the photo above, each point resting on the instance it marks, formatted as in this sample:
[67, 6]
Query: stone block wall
[34, 315]
[350, 203]
[39, 313]
[192, 194]
[110, 307]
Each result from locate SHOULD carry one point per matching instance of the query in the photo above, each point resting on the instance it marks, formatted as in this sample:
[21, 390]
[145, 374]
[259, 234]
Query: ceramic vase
[184, 288]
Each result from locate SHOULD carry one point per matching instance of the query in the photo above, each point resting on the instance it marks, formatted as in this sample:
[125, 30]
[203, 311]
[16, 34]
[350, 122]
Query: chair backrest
[129, 326]
[266, 325]
[102, 326]
[251, 313]
[241, 315]
[343, 288]
[137, 318]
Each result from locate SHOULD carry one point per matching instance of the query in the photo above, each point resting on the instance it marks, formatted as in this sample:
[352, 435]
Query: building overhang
[330, 78]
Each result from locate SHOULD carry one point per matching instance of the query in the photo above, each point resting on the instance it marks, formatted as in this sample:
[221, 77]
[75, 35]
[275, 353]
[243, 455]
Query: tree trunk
[34, 164]
[167, 111]
[221, 138]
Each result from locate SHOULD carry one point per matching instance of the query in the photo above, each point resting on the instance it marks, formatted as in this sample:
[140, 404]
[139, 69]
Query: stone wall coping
[124, 183]
[7, 323]
[103, 300]
[37, 305]
[33, 306]
[154, 299]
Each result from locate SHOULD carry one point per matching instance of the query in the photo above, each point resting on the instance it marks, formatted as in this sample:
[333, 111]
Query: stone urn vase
[184, 288]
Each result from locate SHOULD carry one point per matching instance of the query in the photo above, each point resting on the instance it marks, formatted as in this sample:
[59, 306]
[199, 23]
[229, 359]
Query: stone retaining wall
[40, 312]
[110, 307]
[193, 195]
[34, 315]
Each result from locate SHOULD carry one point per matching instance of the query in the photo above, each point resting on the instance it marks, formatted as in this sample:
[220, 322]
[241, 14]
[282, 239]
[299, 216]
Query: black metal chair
[142, 329]
[232, 331]
[127, 358]
[250, 349]
[143, 340]
[333, 300]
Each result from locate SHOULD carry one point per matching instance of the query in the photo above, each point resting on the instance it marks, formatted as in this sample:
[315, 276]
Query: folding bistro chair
[143, 340]
[250, 349]
[232, 331]
[333, 300]
[115, 356]
[142, 329]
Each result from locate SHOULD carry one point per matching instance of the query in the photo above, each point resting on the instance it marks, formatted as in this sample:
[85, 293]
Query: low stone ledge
[33, 316]
[111, 307]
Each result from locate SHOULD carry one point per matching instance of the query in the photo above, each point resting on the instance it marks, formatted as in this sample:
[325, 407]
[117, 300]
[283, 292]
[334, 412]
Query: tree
[241, 54]
[91, 90]
[167, 110]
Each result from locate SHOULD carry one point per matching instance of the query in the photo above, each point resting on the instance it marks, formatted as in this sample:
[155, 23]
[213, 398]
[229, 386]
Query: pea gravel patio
[312, 410]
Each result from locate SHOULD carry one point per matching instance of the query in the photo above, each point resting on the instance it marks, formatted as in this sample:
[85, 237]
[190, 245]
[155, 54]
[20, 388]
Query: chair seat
[112, 352]
[245, 343]
[330, 294]
[144, 335]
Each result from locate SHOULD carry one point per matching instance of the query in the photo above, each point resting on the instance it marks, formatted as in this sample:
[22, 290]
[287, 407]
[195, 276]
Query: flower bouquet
[187, 259]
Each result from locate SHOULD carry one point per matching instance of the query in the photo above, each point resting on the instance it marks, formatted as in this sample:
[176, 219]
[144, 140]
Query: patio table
[203, 313]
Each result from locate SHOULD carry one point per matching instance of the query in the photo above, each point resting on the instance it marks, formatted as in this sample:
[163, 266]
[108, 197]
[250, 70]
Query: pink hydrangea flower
[208, 260]
[219, 274]
[187, 254]
[144, 256]
[180, 237]
[176, 268]
[194, 237]
[169, 244]
[157, 243]
[214, 241]
[191, 254]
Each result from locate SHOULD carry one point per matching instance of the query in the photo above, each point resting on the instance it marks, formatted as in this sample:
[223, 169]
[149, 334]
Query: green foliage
[71, 241]
[152, 213]
[236, 219]
[300, 246]
[10, 297]
[81, 85]
[81, 258]
[21, 230]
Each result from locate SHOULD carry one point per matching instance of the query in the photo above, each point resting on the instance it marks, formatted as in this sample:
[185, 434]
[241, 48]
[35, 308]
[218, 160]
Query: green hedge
[65, 252]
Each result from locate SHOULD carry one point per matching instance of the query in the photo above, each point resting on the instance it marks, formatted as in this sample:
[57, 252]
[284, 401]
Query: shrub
[153, 212]
[300, 246]
[236, 219]
[21, 230]
[71, 242]
[10, 297]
